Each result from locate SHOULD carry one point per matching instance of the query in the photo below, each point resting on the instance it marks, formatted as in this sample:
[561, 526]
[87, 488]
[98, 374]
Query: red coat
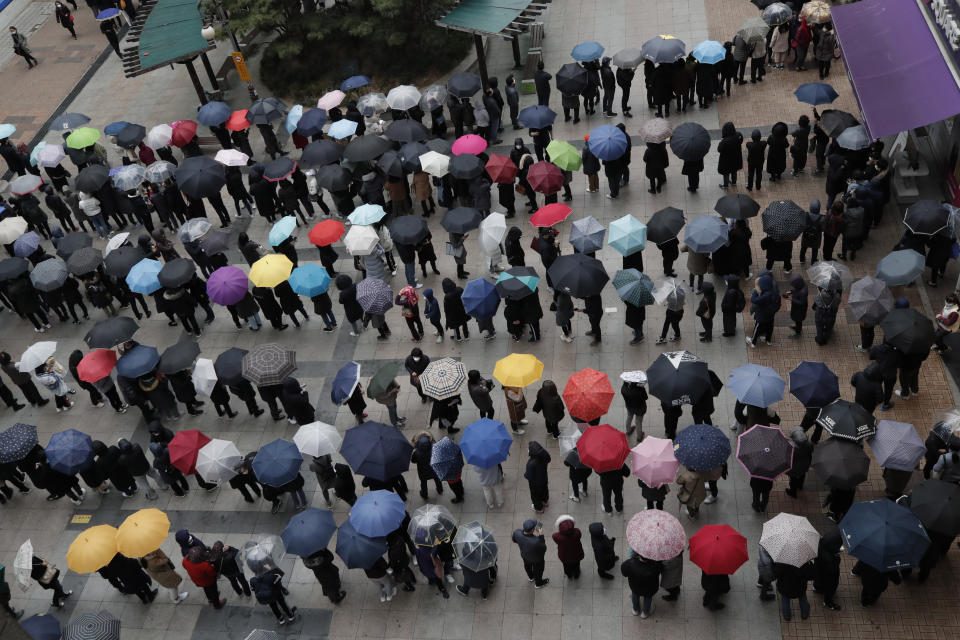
[569, 548]
[202, 573]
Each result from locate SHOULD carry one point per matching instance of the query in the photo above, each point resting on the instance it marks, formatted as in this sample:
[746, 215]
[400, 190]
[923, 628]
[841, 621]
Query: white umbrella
[51, 155]
[23, 565]
[318, 439]
[115, 242]
[36, 355]
[669, 291]
[404, 97]
[204, 376]
[11, 229]
[492, 229]
[231, 158]
[790, 539]
[436, 164]
[193, 229]
[568, 439]
[361, 240]
[217, 460]
[159, 171]
[159, 136]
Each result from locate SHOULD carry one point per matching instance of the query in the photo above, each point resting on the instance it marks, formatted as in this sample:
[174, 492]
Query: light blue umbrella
[367, 214]
[36, 150]
[377, 513]
[354, 82]
[309, 532]
[705, 234]
[142, 278]
[342, 129]
[282, 230]
[309, 280]
[7, 130]
[277, 462]
[214, 113]
[627, 235]
[756, 385]
[608, 143]
[900, 267]
[587, 51]
[293, 118]
[709, 52]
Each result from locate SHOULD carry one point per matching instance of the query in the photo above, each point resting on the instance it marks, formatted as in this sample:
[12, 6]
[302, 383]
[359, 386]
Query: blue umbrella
[312, 121]
[587, 51]
[142, 278]
[536, 116]
[42, 627]
[7, 130]
[309, 532]
[309, 280]
[705, 234]
[373, 449]
[814, 385]
[701, 447]
[282, 230]
[357, 550]
[277, 462]
[354, 82]
[485, 443]
[480, 298]
[608, 143]
[138, 361]
[884, 534]
[107, 14]
[446, 460]
[345, 382]
[293, 118]
[214, 113]
[114, 128]
[70, 451]
[709, 52]
[816, 93]
[342, 129]
[377, 513]
[757, 385]
[17, 441]
[26, 244]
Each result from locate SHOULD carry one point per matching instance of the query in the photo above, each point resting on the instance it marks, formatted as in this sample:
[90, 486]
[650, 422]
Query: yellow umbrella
[92, 549]
[270, 270]
[142, 532]
[518, 370]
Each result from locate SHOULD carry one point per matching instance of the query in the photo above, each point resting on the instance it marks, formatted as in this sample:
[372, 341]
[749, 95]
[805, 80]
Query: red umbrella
[603, 448]
[588, 394]
[550, 214]
[96, 365]
[238, 121]
[501, 169]
[184, 449]
[183, 132]
[545, 177]
[326, 232]
[718, 549]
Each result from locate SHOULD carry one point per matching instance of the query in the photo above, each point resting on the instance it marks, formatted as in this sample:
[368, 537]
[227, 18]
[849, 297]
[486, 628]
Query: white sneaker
[354, 334]
[710, 499]
[635, 612]
[418, 285]
[859, 347]
[439, 339]
[183, 596]
[383, 598]
[751, 343]
[520, 432]
[450, 579]
[524, 421]
[575, 498]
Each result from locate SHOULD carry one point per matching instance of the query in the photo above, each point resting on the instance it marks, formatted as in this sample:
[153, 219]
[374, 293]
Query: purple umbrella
[227, 285]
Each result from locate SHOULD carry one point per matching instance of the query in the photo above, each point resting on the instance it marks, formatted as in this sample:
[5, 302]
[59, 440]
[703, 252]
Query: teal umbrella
[627, 235]
[282, 230]
[367, 214]
[634, 287]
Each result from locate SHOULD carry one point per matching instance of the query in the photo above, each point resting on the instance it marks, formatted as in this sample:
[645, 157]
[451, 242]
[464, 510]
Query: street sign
[241, 66]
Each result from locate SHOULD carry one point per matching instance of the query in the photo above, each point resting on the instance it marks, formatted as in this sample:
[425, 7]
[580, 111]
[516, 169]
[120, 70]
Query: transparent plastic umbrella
[475, 546]
[129, 177]
[431, 524]
[568, 438]
[404, 97]
[159, 171]
[828, 273]
[372, 103]
[263, 552]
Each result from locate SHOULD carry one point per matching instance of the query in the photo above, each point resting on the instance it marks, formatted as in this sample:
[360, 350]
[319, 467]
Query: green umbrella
[564, 155]
[381, 379]
[83, 137]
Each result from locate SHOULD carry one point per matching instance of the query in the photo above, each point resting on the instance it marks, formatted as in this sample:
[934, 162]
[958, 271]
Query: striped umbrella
[443, 378]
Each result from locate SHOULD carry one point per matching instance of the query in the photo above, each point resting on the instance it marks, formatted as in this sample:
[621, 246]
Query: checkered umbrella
[17, 441]
[790, 539]
[784, 220]
[431, 524]
[93, 626]
[374, 295]
[443, 378]
[269, 364]
[656, 535]
[634, 287]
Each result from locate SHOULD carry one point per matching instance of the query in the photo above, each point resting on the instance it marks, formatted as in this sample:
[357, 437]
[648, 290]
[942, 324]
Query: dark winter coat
[730, 149]
[604, 548]
[642, 575]
[537, 463]
[567, 537]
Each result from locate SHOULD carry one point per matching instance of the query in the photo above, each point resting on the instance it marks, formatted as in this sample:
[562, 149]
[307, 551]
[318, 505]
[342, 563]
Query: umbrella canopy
[376, 450]
[138, 361]
[777, 13]
[374, 295]
[277, 463]
[587, 51]
[757, 385]
[403, 97]
[69, 451]
[229, 366]
[108, 333]
[480, 298]
[461, 220]
[354, 82]
[200, 176]
[121, 260]
[409, 155]
[578, 275]
[568, 440]
[517, 283]
[36, 355]
[82, 137]
[177, 272]
[814, 385]
[753, 30]
[265, 111]
[73, 242]
[318, 439]
[184, 449]
[446, 460]
[464, 84]
[443, 378]
[550, 214]
[466, 167]
[92, 549]
[784, 220]
[23, 565]
[884, 534]
[23, 185]
[366, 214]
[764, 452]
[161, 134]
[204, 376]
[572, 79]
[159, 171]
[603, 448]
[63, 122]
[469, 143]
[829, 275]
[633, 287]
[627, 235]
[816, 12]
[816, 93]
[281, 230]
[49, 275]
[183, 131]
[366, 148]
[226, 285]
[485, 443]
[897, 445]
[840, 463]
[270, 270]
[131, 136]
[435, 163]
[142, 277]
[361, 240]
[908, 330]
[607, 142]
[213, 113]
[737, 206]
[475, 547]
[870, 300]
[655, 130]
[309, 123]
[501, 169]
[564, 155]
[26, 244]
[326, 232]
[117, 241]
[833, 122]
[408, 229]
[679, 377]
[377, 513]
[653, 461]
[664, 48]
[142, 532]
[854, 138]
[537, 117]
[193, 229]
[709, 52]
[11, 268]
[937, 504]
[268, 364]
[309, 532]
[413, 131]
[718, 549]
[381, 381]
[342, 129]
[665, 224]
[309, 280]
[217, 460]
[588, 394]
[706, 234]
[926, 217]
[357, 550]
[85, 260]
[433, 97]
[263, 553]
[701, 447]
[179, 357]
[96, 365]
[848, 420]
[320, 153]
[93, 626]
[279, 169]
[790, 539]
[42, 627]
[345, 382]
[431, 524]
[13, 227]
[656, 535]
[518, 370]
[50, 155]
[900, 267]
[629, 58]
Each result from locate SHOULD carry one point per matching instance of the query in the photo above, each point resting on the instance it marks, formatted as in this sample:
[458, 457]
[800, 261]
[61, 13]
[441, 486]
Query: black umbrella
[834, 122]
[840, 463]
[131, 135]
[407, 131]
[664, 225]
[440, 146]
[847, 420]
[736, 206]
[517, 283]
[333, 177]
[365, 148]
[461, 220]
[265, 111]
[119, 261]
[179, 357]
[783, 220]
[578, 275]
[410, 155]
[464, 84]
[229, 366]
[11, 268]
[391, 164]
[690, 141]
[319, 153]
[200, 176]
[177, 272]
[108, 333]
[926, 217]
[279, 168]
[311, 122]
[908, 330]
[409, 229]
[572, 78]
[465, 166]
[73, 242]
[84, 261]
[256, 171]
[679, 377]
[214, 242]
[92, 178]
[937, 504]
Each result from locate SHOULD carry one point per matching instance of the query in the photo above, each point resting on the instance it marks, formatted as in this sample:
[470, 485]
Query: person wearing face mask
[21, 49]
[65, 18]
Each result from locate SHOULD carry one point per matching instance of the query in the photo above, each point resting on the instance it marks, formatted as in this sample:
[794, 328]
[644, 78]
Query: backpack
[263, 590]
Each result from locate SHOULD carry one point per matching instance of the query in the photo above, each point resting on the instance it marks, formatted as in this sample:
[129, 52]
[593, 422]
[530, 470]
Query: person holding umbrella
[49, 374]
[825, 306]
[269, 590]
[327, 574]
[47, 575]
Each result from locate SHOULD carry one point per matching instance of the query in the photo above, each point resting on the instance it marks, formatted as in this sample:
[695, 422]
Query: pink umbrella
[469, 143]
[653, 461]
[331, 99]
[656, 535]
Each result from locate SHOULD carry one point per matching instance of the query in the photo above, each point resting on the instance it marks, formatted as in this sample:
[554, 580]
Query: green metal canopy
[170, 32]
[484, 16]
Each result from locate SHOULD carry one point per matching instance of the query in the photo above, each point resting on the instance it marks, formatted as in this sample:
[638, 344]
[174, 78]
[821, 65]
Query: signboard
[945, 17]
[80, 518]
[241, 66]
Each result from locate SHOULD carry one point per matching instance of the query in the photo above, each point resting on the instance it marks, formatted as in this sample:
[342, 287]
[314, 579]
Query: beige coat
[690, 488]
[697, 263]
[516, 404]
[160, 568]
[422, 188]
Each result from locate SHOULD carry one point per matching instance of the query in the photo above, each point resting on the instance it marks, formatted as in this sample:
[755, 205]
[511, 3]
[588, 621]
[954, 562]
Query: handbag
[455, 251]
[519, 188]
[535, 244]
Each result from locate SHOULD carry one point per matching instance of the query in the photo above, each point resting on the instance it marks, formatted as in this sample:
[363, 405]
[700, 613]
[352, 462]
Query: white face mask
[416, 358]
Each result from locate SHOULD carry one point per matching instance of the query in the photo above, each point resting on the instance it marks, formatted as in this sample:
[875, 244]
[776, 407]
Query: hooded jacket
[708, 303]
[514, 250]
[132, 458]
[422, 451]
[431, 308]
[730, 149]
[348, 298]
[642, 575]
[187, 540]
[827, 563]
[604, 549]
[536, 470]
[764, 303]
[798, 298]
[479, 389]
[549, 402]
[826, 305]
[733, 300]
[453, 309]
[567, 537]
[777, 145]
